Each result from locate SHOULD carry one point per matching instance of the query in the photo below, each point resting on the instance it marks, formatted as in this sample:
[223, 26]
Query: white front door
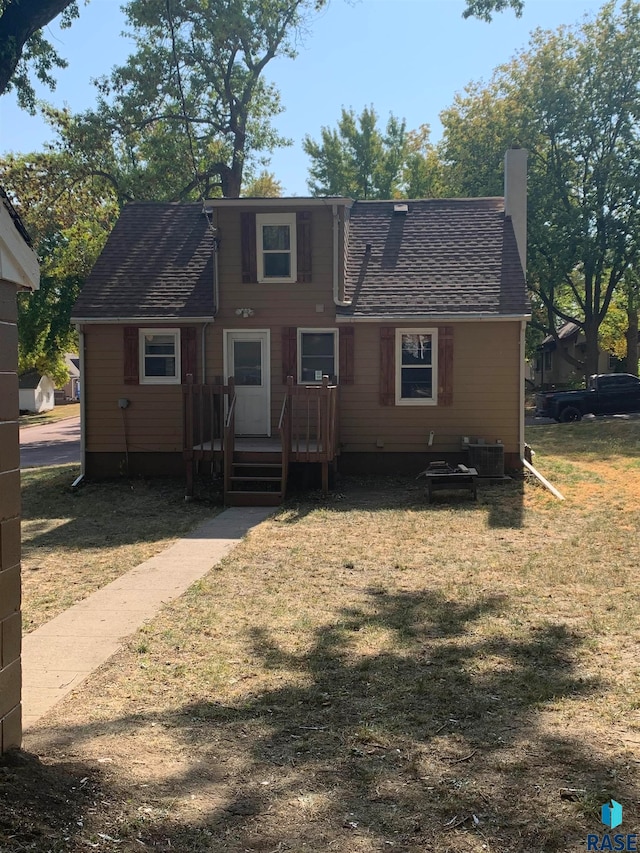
[247, 360]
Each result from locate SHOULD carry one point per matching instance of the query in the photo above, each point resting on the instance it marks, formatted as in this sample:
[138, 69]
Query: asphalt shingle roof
[157, 263]
[444, 256]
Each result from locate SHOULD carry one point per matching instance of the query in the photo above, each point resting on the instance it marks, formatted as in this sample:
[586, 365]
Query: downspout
[83, 418]
[204, 353]
[336, 259]
[529, 467]
[216, 291]
[216, 249]
[542, 479]
[521, 441]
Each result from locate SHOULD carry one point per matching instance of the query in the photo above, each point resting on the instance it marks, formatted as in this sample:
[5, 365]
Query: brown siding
[275, 306]
[153, 419]
[484, 367]
[10, 708]
[486, 377]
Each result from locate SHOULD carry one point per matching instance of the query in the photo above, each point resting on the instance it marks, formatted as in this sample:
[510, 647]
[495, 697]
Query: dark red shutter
[248, 241]
[445, 366]
[131, 362]
[289, 353]
[387, 366]
[346, 338]
[188, 352]
[303, 221]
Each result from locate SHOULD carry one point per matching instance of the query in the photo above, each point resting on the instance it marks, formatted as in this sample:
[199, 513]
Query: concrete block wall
[10, 617]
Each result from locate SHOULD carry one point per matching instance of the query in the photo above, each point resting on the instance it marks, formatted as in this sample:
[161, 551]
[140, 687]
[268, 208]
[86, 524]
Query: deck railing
[284, 428]
[312, 413]
[229, 440]
[205, 409]
[308, 426]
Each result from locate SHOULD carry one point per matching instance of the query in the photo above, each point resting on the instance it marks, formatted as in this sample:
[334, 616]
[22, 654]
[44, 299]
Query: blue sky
[407, 57]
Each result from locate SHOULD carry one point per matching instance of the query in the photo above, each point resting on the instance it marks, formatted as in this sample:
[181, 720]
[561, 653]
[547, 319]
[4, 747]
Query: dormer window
[276, 247]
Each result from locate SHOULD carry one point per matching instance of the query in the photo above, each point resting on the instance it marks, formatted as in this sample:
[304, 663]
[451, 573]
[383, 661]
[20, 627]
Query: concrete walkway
[59, 655]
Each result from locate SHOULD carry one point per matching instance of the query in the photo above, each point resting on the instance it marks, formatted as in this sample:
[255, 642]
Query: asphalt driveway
[50, 444]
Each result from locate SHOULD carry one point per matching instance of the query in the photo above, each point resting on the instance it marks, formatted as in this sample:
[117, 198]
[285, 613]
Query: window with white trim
[416, 367]
[160, 356]
[317, 355]
[276, 247]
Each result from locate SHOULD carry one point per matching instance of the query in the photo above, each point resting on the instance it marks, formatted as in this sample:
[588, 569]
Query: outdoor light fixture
[245, 312]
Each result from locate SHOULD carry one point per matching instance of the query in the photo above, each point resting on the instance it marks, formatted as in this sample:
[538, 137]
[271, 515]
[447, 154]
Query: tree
[484, 9]
[573, 100]
[23, 48]
[190, 111]
[264, 185]
[68, 218]
[358, 160]
[187, 116]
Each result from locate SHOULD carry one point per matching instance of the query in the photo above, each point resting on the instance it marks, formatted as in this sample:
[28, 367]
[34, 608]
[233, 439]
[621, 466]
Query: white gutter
[521, 395]
[172, 321]
[291, 201]
[83, 412]
[431, 318]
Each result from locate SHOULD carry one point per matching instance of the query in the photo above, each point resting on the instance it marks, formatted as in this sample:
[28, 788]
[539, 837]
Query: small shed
[37, 392]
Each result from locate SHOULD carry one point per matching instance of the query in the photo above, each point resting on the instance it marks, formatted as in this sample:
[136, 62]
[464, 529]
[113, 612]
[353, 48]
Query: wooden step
[253, 498]
[257, 464]
[257, 457]
[256, 478]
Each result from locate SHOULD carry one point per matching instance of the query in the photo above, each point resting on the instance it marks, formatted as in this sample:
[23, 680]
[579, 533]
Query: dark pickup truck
[607, 394]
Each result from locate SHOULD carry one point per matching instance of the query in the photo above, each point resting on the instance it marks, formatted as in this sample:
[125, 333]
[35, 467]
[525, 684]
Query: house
[260, 334]
[18, 272]
[36, 392]
[71, 388]
[551, 365]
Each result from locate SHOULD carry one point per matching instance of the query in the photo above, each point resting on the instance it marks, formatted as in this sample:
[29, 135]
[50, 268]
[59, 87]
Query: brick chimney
[515, 197]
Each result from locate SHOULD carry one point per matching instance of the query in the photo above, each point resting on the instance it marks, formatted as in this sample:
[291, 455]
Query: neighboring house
[36, 392]
[552, 368]
[71, 390]
[18, 272]
[207, 334]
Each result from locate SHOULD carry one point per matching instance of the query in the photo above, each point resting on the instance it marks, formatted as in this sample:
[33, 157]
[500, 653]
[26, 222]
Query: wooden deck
[256, 468]
[256, 444]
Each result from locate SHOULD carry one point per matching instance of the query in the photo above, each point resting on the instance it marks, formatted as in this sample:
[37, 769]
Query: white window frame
[176, 379]
[336, 359]
[277, 219]
[417, 401]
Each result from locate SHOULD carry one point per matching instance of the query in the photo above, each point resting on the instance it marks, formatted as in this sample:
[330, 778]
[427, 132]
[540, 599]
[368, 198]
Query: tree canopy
[359, 160]
[485, 9]
[572, 98]
[190, 113]
[23, 48]
[68, 218]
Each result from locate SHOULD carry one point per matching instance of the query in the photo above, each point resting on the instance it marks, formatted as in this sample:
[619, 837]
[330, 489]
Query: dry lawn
[75, 541]
[60, 412]
[370, 673]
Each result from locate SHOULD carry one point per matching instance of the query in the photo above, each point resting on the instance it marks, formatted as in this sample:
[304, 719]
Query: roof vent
[401, 208]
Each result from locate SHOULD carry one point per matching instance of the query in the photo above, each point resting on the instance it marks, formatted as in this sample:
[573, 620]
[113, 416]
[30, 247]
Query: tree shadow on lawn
[431, 740]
